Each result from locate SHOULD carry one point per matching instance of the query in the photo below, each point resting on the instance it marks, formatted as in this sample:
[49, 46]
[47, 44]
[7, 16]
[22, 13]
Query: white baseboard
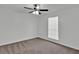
[6, 43]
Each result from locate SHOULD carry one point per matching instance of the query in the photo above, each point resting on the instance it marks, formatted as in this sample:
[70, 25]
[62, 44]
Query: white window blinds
[53, 27]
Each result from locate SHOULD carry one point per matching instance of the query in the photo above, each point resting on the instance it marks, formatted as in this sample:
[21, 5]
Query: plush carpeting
[36, 46]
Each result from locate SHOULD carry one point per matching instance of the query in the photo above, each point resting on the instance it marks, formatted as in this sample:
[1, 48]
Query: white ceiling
[51, 7]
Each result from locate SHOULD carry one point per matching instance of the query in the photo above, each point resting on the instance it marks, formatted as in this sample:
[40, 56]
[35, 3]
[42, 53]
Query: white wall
[68, 27]
[16, 26]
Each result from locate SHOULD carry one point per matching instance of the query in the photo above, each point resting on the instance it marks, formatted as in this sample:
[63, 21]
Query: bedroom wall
[15, 26]
[68, 27]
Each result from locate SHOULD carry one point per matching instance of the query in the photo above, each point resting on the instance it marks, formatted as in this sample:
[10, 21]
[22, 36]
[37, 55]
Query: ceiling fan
[36, 10]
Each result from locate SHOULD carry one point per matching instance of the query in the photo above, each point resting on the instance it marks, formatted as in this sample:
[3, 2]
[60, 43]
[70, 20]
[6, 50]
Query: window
[53, 27]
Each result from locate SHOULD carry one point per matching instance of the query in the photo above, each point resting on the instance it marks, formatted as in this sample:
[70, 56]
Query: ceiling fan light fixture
[36, 10]
[36, 13]
[38, 7]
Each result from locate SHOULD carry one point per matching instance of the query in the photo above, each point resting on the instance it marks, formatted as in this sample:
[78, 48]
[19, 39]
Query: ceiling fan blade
[28, 8]
[43, 9]
[31, 11]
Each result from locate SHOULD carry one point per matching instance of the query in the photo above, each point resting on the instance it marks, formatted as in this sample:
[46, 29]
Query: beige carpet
[36, 46]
